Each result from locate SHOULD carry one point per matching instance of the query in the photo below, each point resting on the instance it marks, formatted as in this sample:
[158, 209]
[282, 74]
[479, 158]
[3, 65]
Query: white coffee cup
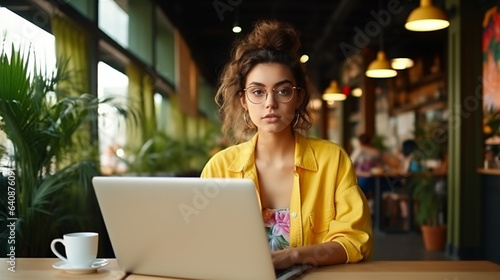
[80, 247]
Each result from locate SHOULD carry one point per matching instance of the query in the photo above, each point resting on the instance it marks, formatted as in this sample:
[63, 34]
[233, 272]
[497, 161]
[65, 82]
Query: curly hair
[270, 42]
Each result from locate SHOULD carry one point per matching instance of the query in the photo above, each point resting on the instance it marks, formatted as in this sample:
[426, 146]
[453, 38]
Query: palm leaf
[53, 181]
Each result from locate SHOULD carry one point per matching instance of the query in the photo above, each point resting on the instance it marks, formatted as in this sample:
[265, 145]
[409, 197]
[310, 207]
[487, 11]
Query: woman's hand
[315, 255]
[284, 258]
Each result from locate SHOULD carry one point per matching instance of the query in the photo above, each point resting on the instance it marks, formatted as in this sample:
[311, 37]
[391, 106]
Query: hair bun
[271, 34]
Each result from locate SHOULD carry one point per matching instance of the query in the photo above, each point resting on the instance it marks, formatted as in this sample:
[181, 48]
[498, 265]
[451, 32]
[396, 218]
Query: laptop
[194, 228]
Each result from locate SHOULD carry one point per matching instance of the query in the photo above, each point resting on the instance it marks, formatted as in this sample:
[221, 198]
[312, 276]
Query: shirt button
[294, 215]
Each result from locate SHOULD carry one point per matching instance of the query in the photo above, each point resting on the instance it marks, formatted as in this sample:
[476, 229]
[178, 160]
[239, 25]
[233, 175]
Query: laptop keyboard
[291, 272]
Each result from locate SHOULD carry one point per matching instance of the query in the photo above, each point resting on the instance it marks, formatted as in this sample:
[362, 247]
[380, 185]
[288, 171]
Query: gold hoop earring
[246, 120]
[296, 119]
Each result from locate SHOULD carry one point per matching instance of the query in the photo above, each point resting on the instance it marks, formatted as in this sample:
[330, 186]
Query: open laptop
[187, 227]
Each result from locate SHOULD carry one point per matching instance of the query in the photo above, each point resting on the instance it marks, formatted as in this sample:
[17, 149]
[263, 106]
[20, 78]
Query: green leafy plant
[430, 198]
[164, 155]
[52, 161]
[430, 139]
[378, 142]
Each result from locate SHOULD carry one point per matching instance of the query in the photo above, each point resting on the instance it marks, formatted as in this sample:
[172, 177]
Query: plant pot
[434, 237]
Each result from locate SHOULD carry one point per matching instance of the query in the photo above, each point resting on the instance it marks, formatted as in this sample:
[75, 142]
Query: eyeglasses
[257, 94]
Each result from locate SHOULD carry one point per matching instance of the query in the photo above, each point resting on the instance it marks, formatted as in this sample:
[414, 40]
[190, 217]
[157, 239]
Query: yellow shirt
[326, 203]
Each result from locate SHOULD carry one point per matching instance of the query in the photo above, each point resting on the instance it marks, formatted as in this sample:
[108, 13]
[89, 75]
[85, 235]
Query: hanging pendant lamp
[333, 93]
[402, 63]
[427, 17]
[380, 67]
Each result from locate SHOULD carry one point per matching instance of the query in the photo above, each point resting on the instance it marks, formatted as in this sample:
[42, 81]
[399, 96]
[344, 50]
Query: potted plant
[430, 196]
[50, 164]
[428, 184]
[163, 155]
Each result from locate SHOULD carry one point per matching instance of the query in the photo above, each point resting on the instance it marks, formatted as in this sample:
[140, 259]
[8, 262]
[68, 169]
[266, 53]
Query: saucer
[98, 263]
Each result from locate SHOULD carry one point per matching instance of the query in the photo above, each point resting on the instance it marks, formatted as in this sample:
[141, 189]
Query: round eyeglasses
[257, 94]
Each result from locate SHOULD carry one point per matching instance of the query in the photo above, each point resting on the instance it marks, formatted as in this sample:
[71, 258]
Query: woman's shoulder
[231, 152]
[327, 150]
[230, 159]
[324, 144]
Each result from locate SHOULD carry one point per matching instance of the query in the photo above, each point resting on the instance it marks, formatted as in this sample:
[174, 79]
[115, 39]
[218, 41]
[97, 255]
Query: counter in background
[489, 171]
[490, 187]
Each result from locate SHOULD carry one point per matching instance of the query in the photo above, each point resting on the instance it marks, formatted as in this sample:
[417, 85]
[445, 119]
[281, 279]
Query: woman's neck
[273, 146]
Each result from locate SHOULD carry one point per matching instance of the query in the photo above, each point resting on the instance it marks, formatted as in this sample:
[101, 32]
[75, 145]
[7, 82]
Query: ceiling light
[236, 28]
[120, 152]
[401, 63]
[333, 93]
[315, 104]
[304, 58]
[380, 67]
[427, 17]
[357, 92]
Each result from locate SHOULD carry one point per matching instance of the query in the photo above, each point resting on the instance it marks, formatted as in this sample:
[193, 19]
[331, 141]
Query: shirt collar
[304, 154]
[245, 160]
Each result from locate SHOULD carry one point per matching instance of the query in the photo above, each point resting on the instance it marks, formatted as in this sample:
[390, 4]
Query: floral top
[277, 223]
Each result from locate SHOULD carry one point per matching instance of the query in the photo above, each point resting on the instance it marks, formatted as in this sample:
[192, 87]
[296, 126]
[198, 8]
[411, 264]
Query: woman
[313, 210]
[365, 158]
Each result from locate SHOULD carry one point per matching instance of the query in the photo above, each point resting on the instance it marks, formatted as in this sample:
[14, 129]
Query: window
[160, 112]
[113, 20]
[27, 37]
[39, 44]
[141, 29]
[111, 126]
[85, 7]
[165, 53]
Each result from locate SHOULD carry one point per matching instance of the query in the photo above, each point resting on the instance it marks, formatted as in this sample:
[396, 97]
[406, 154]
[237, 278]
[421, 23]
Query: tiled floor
[403, 246]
